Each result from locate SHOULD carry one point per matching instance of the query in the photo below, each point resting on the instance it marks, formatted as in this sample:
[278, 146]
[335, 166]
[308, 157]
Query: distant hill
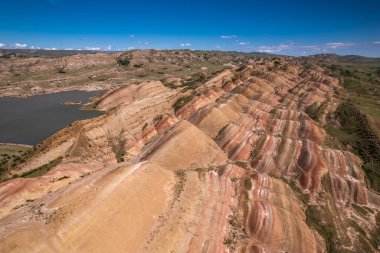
[41, 53]
[344, 59]
[34, 53]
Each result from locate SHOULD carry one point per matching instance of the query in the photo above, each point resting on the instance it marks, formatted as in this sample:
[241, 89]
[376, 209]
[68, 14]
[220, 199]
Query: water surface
[31, 120]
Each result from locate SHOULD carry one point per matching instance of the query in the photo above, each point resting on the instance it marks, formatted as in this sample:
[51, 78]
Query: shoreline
[15, 144]
[16, 94]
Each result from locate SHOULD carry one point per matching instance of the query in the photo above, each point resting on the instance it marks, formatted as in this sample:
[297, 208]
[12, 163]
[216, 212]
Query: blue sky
[284, 27]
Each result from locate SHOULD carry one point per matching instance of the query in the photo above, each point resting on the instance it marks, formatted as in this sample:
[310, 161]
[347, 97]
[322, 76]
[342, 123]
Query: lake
[31, 120]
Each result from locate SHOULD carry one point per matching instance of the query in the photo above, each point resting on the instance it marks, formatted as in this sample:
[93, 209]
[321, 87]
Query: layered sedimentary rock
[240, 167]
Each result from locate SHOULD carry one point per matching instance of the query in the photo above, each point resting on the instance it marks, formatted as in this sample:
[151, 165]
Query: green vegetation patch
[181, 102]
[196, 80]
[248, 184]
[242, 164]
[314, 110]
[258, 149]
[361, 79]
[123, 62]
[13, 149]
[311, 110]
[42, 169]
[11, 155]
[356, 132]
[328, 232]
[375, 235]
[359, 209]
[119, 150]
[180, 185]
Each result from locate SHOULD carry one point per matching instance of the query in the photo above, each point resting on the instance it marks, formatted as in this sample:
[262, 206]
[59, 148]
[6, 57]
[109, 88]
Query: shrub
[181, 102]
[123, 61]
[248, 183]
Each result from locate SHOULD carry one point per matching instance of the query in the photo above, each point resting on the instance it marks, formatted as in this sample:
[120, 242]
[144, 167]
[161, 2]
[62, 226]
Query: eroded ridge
[233, 164]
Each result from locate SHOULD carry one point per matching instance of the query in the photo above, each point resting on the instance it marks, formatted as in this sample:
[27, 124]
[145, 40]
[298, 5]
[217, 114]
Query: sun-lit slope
[185, 147]
[131, 93]
[238, 167]
[274, 218]
[119, 202]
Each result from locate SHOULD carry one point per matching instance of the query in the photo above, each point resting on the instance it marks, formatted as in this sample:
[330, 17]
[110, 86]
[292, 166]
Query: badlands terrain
[198, 152]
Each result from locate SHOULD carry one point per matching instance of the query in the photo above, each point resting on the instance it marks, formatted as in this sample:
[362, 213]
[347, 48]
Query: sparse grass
[361, 80]
[42, 169]
[364, 246]
[120, 152]
[237, 233]
[355, 131]
[375, 235]
[123, 61]
[207, 169]
[195, 81]
[181, 102]
[314, 110]
[314, 219]
[13, 149]
[357, 228]
[180, 184]
[248, 184]
[258, 149]
[12, 155]
[311, 110]
[241, 68]
[242, 164]
[305, 198]
[359, 209]
[157, 119]
[273, 111]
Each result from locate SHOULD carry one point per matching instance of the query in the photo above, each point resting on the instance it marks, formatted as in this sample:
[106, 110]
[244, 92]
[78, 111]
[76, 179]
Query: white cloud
[2, 45]
[69, 48]
[109, 47]
[19, 45]
[292, 48]
[335, 45]
[376, 42]
[185, 44]
[266, 51]
[243, 43]
[273, 49]
[218, 47]
[228, 36]
[50, 48]
[131, 48]
[92, 48]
